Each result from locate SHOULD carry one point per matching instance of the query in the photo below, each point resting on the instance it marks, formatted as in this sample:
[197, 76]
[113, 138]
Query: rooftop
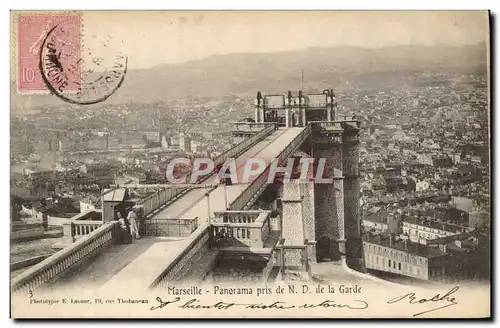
[422, 221]
[399, 244]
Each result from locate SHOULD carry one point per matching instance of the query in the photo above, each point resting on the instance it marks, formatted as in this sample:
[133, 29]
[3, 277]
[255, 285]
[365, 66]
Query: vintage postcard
[250, 164]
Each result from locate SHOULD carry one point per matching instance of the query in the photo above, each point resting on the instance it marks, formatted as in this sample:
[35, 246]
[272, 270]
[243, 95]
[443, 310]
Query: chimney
[442, 247]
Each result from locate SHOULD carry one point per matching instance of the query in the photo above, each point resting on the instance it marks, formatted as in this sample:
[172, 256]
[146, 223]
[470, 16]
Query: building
[397, 255]
[462, 203]
[479, 218]
[152, 136]
[333, 212]
[421, 185]
[164, 142]
[375, 221]
[421, 229]
[194, 147]
[450, 261]
[185, 143]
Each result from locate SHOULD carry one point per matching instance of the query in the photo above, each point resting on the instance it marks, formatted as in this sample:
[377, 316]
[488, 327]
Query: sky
[149, 38]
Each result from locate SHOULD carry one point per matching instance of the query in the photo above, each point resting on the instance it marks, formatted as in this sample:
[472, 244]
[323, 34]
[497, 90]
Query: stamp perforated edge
[15, 49]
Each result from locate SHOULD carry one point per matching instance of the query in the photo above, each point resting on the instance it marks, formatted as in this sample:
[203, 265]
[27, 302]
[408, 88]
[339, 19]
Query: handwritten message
[282, 298]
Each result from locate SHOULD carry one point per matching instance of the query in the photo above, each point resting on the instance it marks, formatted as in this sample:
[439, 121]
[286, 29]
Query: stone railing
[249, 234]
[197, 245]
[79, 225]
[236, 216]
[249, 126]
[293, 256]
[330, 126]
[82, 228]
[266, 272]
[63, 261]
[253, 191]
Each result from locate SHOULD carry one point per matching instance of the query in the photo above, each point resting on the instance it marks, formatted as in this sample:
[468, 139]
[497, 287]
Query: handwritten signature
[195, 304]
[445, 300]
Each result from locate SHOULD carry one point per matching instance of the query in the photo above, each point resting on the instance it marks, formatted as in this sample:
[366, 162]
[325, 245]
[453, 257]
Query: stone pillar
[300, 117]
[257, 114]
[308, 220]
[108, 211]
[329, 199]
[288, 117]
[68, 232]
[307, 192]
[293, 229]
[355, 257]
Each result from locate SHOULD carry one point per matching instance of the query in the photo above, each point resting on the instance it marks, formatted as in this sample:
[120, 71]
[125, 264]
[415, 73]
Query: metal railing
[62, 261]
[170, 227]
[253, 191]
[165, 195]
[174, 268]
[245, 144]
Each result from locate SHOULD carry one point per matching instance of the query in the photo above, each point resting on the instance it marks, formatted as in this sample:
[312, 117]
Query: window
[394, 264]
[399, 266]
[376, 259]
[389, 263]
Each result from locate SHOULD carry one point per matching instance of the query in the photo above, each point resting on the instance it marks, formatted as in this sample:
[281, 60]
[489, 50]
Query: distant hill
[246, 73]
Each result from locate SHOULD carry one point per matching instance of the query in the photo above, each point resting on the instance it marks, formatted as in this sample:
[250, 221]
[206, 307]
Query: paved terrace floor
[137, 264]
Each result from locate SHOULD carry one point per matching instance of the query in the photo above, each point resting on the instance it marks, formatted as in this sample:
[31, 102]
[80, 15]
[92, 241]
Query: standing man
[134, 228]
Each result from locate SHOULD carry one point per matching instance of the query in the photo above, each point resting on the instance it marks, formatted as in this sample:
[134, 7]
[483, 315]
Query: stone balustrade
[236, 216]
[83, 228]
[81, 225]
[63, 261]
[293, 256]
[249, 126]
[244, 234]
[330, 126]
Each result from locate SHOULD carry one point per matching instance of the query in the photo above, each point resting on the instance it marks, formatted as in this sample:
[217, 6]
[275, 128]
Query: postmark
[32, 29]
[97, 71]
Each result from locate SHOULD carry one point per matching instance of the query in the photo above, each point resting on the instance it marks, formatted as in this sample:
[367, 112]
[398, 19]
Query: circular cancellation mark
[73, 79]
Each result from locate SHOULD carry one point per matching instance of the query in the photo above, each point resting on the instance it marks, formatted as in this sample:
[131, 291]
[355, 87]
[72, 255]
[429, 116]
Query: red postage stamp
[33, 30]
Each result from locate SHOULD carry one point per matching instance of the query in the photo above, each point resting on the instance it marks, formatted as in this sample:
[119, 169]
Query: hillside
[244, 74]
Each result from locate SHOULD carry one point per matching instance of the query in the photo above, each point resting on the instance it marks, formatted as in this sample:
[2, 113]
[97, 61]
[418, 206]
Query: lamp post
[225, 195]
[208, 207]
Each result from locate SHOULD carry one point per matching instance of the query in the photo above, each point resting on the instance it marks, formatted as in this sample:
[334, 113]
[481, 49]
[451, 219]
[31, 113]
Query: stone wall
[329, 203]
[231, 268]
